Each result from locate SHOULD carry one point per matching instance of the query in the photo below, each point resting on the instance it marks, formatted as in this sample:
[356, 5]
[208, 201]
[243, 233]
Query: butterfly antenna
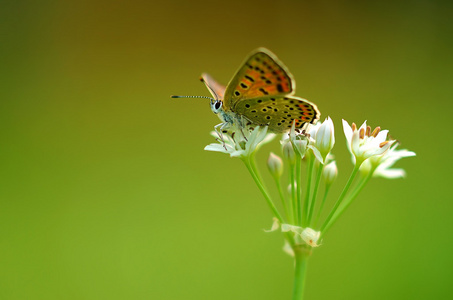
[210, 89]
[205, 97]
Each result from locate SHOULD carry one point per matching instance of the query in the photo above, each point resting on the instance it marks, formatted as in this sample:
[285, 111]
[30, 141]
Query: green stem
[282, 197]
[342, 195]
[348, 201]
[251, 166]
[249, 163]
[299, 189]
[315, 193]
[322, 204]
[301, 254]
[308, 188]
[293, 192]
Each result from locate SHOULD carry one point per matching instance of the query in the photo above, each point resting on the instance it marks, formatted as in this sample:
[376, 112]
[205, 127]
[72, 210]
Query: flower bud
[330, 172]
[275, 165]
[324, 140]
[288, 152]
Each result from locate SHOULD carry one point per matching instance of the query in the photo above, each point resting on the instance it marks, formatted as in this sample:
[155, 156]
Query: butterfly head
[216, 91]
[216, 106]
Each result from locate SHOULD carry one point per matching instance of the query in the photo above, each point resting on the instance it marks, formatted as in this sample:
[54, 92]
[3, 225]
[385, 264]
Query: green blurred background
[107, 193]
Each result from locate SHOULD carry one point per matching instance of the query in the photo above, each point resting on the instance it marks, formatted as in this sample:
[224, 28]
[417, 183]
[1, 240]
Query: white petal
[301, 146]
[363, 126]
[325, 138]
[269, 137]
[374, 151]
[390, 173]
[257, 136]
[330, 172]
[332, 131]
[347, 131]
[355, 143]
[261, 134]
[286, 227]
[313, 129]
[253, 135]
[275, 225]
[219, 148]
[323, 135]
[381, 137]
[292, 132]
[403, 153]
[379, 150]
[293, 228]
[288, 249]
[317, 154]
[238, 153]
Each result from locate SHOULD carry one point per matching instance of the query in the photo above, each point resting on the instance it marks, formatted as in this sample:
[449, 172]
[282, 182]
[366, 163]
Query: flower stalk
[251, 167]
[306, 205]
[315, 192]
[301, 255]
[340, 198]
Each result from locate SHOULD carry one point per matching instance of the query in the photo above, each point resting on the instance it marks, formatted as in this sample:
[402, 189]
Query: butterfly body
[260, 93]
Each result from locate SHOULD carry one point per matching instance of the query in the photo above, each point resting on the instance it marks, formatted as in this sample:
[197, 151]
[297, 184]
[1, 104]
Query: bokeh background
[107, 193]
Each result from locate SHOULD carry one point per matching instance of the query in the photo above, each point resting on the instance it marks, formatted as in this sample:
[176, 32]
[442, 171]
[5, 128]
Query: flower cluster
[373, 155]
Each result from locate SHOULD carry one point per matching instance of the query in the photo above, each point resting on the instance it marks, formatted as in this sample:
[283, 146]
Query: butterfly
[260, 94]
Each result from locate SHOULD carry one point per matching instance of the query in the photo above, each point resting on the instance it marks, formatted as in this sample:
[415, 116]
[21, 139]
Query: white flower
[311, 237]
[239, 146]
[384, 162]
[323, 139]
[363, 144]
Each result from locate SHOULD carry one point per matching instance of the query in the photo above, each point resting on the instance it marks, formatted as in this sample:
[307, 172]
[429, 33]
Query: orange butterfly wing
[262, 74]
[217, 90]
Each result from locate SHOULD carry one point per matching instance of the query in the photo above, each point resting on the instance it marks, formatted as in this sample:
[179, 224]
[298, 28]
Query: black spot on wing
[263, 91]
[249, 78]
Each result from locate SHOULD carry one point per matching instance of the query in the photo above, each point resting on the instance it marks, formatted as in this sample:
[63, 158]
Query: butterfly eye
[215, 106]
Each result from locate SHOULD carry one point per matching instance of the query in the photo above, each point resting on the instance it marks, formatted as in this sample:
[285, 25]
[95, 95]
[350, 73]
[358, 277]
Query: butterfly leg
[242, 132]
[219, 128]
[241, 126]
